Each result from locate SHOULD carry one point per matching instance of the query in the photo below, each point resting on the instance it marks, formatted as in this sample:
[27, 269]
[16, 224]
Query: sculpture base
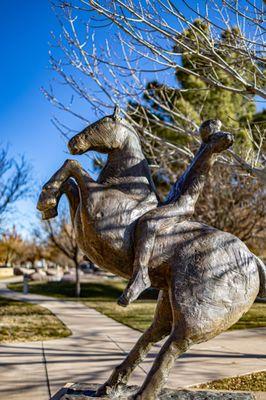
[83, 391]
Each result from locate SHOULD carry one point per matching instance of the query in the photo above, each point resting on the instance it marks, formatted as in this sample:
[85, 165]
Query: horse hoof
[48, 214]
[123, 301]
[47, 200]
[102, 391]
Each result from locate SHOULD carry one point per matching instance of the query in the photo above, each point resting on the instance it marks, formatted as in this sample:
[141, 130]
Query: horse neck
[126, 162]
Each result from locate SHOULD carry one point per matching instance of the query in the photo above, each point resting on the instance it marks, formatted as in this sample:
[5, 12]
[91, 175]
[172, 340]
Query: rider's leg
[139, 281]
[151, 224]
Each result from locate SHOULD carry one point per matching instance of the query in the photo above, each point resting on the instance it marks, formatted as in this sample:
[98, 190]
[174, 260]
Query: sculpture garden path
[98, 343]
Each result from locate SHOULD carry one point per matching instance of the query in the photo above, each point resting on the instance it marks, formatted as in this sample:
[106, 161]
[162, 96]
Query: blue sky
[24, 112]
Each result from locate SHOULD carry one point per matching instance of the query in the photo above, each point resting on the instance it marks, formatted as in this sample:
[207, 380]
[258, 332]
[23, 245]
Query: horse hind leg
[160, 328]
[176, 344]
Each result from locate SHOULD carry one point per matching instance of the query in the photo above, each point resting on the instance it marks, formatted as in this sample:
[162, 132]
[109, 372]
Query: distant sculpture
[207, 278]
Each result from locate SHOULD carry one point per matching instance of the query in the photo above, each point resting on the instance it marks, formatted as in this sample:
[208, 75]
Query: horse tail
[262, 275]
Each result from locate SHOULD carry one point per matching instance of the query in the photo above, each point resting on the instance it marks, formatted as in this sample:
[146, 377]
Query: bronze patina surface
[208, 278]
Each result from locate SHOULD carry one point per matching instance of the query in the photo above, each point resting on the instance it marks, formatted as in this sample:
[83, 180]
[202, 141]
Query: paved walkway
[98, 344]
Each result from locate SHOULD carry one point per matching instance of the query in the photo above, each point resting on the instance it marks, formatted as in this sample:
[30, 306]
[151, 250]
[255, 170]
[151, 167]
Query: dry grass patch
[21, 322]
[251, 382]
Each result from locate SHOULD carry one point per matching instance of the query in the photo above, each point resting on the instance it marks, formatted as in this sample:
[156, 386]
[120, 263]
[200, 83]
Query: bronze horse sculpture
[207, 278]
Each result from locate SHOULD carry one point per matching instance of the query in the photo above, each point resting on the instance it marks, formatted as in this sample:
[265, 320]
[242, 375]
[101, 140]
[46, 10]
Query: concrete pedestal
[87, 391]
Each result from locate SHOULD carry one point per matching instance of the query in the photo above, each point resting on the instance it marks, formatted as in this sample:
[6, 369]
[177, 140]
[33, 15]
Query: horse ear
[116, 112]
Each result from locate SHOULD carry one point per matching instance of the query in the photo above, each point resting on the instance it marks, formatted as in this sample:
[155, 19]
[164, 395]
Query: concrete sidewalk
[99, 343]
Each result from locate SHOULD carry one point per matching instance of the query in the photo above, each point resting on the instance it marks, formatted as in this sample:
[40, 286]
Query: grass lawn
[103, 295]
[21, 322]
[253, 382]
[103, 291]
[137, 316]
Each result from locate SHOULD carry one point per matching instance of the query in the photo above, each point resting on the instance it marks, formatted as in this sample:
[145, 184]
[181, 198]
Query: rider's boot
[136, 285]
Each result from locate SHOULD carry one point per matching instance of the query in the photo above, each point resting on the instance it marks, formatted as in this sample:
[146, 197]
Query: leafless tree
[14, 181]
[235, 204]
[143, 40]
[116, 52]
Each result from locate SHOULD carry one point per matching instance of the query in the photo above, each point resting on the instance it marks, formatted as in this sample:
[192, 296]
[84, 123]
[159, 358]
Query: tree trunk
[77, 283]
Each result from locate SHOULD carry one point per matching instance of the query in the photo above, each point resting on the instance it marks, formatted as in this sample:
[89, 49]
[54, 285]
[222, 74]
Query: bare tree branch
[14, 181]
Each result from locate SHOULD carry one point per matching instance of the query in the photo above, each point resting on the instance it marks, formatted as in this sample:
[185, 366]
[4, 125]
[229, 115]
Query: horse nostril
[72, 147]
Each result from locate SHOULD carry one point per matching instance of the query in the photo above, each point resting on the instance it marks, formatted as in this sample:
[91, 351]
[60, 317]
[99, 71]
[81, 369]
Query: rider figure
[178, 207]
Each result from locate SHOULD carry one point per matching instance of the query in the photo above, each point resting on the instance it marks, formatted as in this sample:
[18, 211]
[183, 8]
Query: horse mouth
[74, 149]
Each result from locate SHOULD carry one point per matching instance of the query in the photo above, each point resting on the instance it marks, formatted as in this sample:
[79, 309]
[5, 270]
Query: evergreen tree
[194, 99]
[186, 106]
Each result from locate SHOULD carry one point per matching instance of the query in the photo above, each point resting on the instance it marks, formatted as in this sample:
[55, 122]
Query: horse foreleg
[51, 191]
[160, 328]
[71, 190]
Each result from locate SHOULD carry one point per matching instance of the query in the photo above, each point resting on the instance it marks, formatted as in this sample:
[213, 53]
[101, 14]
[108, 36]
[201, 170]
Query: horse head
[106, 134]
